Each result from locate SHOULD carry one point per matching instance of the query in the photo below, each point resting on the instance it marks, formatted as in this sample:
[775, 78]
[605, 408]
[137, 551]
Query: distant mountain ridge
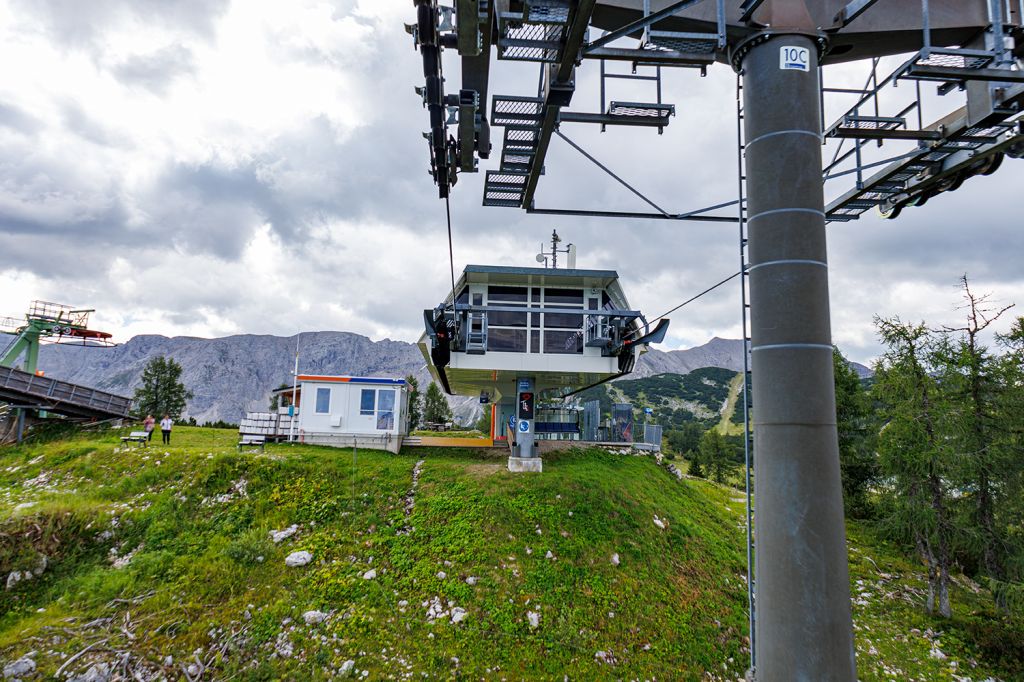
[235, 374]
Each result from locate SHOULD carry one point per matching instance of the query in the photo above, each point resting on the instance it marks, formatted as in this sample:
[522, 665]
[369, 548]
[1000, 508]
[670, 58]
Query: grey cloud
[14, 118]
[80, 25]
[157, 70]
[80, 123]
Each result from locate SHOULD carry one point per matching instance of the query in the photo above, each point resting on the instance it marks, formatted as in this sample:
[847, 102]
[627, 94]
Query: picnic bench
[252, 440]
[136, 437]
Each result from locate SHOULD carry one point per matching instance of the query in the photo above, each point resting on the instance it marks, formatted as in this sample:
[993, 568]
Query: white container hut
[365, 412]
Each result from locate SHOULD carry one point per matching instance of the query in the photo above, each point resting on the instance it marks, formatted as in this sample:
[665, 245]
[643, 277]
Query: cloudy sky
[214, 167]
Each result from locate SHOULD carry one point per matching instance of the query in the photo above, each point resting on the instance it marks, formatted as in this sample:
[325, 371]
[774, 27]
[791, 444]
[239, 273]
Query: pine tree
[857, 460]
[161, 391]
[415, 402]
[971, 374]
[716, 455]
[914, 454]
[435, 406]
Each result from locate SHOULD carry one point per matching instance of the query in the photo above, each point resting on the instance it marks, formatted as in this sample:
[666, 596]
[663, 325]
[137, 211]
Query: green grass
[206, 583]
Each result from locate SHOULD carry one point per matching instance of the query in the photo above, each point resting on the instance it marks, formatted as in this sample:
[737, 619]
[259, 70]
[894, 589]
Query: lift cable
[451, 252]
[689, 300]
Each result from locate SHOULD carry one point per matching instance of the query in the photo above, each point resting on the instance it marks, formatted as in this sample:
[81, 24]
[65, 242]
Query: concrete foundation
[519, 465]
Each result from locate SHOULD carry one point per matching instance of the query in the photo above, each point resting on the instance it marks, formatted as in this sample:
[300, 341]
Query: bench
[252, 440]
[136, 437]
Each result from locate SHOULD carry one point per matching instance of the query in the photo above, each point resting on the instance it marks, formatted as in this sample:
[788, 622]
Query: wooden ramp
[22, 389]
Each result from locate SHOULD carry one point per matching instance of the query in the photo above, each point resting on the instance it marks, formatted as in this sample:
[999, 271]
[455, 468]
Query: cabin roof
[500, 274]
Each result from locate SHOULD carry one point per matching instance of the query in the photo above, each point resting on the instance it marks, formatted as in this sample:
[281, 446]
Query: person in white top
[165, 428]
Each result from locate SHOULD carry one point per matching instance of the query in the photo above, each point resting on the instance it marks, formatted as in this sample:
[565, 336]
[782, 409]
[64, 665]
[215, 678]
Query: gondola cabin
[518, 336]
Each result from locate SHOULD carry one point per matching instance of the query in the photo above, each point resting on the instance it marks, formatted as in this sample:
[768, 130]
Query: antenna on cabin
[569, 250]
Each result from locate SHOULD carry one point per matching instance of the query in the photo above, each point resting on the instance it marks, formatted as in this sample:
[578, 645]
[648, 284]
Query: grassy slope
[207, 583]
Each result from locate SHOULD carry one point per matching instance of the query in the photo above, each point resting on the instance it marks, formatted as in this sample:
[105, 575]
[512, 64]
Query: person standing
[148, 424]
[165, 428]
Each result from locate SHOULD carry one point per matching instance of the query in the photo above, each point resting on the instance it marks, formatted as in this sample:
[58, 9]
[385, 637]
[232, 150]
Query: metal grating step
[522, 41]
[504, 188]
[642, 110]
[685, 42]
[521, 139]
[525, 112]
[547, 11]
[516, 161]
[949, 65]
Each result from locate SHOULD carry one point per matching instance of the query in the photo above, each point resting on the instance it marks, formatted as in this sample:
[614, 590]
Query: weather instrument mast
[971, 49]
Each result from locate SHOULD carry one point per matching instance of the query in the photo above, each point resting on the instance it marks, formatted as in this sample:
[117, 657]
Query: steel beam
[631, 215]
[804, 628]
[558, 74]
[640, 24]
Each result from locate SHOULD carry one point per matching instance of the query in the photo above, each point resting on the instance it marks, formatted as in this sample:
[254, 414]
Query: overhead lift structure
[25, 388]
[799, 603]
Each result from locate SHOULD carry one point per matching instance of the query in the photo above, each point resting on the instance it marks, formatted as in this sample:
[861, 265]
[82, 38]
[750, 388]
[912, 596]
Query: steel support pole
[804, 629]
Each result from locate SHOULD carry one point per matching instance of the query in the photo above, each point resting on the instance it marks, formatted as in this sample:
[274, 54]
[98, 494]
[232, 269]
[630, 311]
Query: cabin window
[506, 340]
[385, 409]
[571, 297]
[562, 342]
[506, 329]
[508, 294]
[366, 402]
[323, 401]
[562, 331]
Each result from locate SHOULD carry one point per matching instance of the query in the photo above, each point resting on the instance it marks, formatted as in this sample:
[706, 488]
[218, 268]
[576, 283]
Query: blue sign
[648, 410]
[512, 421]
[524, 426]
[524, 384]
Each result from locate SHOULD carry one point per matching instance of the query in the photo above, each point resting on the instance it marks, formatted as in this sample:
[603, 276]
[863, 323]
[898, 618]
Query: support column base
[518, 465]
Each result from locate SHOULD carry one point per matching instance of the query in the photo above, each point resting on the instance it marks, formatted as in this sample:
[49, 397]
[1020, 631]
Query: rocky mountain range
[231, 375]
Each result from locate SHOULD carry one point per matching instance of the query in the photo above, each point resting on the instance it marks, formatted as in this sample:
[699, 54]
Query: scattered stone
[549, 555]
[615, 559]
[279, 535]
[99, 672]
[658, 522]
[24, 505]
[605, 657]
[22, 666]
[458, 614]
[534, 619]
[125, 559]
[346, 668]
[471, 580]
[314, 617]
[370, 575]
[441, 575]
[296, 559]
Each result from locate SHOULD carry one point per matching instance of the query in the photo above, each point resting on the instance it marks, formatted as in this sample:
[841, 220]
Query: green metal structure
[52, 322]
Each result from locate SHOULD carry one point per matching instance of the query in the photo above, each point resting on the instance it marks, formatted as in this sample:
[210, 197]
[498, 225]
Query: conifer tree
[914, 455]
[161, 391]
[435, 406]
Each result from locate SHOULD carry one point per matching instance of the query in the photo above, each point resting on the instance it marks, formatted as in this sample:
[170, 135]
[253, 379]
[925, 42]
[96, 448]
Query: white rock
[615, 559]
[534, 618]
[471, 580]
[13, 579]
[458, 614]
[314, 617]
[549, 555]
[22, 666]
[370, 575]
[279, 535]
[442, 575]
[99, 672]
[24, 505]
[298, 559]
[659, 523]
[346, 667]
